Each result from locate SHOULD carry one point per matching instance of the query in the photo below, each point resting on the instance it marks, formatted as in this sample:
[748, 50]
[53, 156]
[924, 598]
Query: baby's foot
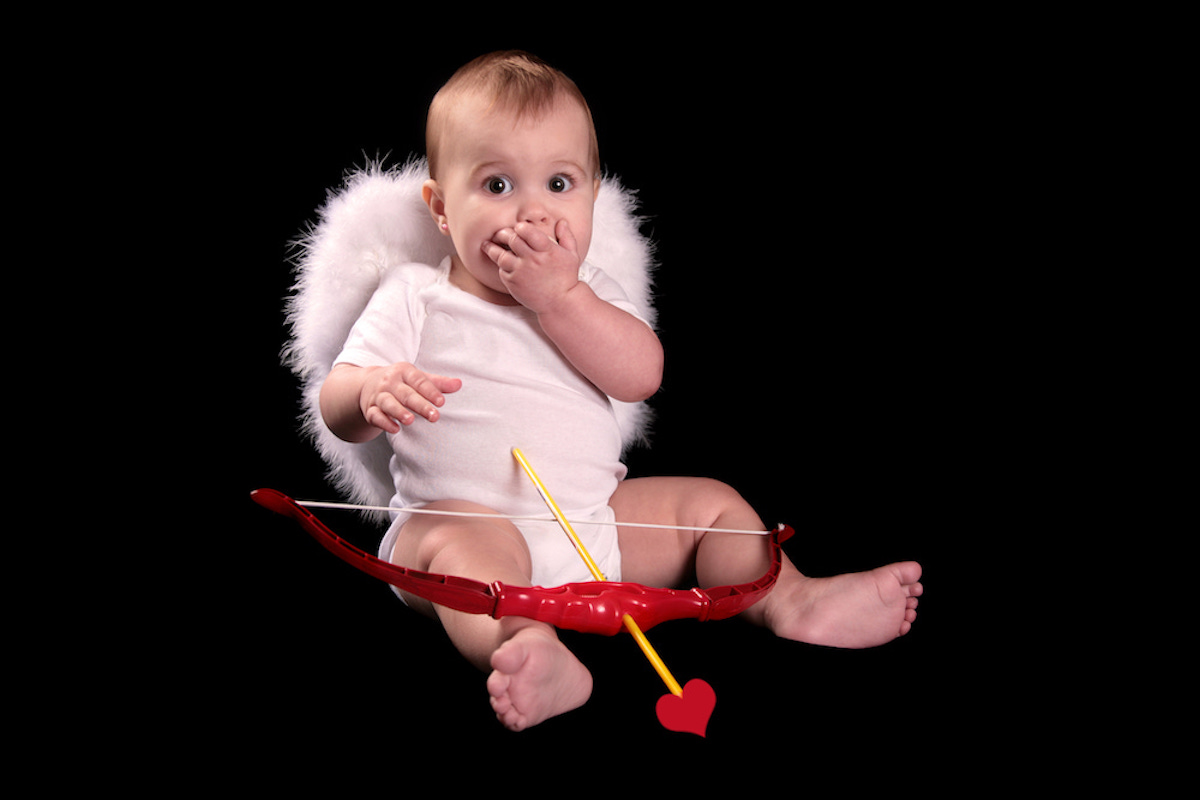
[859, 609]
[536, 677]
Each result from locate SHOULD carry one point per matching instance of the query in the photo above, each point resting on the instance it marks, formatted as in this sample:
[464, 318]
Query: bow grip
[600, 606]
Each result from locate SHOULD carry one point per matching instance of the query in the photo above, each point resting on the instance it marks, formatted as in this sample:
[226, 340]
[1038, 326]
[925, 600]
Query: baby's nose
[534, 215]
[533, 209]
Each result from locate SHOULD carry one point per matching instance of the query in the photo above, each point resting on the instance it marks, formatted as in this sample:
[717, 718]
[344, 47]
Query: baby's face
[496, 170]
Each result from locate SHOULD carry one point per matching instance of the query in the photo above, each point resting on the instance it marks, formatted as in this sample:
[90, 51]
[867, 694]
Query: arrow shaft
[630, 625]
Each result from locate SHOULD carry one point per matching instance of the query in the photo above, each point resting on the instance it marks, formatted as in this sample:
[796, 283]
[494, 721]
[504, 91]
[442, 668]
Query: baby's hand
[392, 396]
[535, 269]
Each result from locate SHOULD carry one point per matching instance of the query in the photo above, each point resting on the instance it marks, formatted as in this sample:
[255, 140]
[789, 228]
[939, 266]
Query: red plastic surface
[598, 607]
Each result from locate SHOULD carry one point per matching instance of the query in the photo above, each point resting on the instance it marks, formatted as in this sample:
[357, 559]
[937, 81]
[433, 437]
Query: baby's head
[509, 140]
[509, 82]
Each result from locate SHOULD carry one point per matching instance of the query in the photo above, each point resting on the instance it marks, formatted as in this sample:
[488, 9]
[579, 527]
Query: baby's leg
[662, 558]
[533, 675]
[854, 610]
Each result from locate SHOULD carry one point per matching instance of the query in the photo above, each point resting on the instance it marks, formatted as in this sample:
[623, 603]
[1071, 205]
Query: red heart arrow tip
[689, 712]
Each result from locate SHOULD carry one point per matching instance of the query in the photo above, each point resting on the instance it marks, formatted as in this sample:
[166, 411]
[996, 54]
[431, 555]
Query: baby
[515, 341]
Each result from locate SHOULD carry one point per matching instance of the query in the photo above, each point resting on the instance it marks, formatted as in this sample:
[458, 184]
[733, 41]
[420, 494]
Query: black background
[815, 196]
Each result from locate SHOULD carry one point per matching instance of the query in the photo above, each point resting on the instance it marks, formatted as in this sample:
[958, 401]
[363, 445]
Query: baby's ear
[595, 188]
[431, 193]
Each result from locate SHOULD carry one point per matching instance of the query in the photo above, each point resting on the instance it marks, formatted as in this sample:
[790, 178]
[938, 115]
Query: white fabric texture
[518, 391]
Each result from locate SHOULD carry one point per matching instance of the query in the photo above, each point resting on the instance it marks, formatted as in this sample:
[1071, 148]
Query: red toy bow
[589, 607]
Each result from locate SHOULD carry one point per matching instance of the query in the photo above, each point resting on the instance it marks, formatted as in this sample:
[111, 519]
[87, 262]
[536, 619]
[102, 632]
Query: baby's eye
[559, 183]
[498, 185]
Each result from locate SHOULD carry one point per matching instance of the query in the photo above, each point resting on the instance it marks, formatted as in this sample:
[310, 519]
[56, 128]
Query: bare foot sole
[859, 609]
[536, 677]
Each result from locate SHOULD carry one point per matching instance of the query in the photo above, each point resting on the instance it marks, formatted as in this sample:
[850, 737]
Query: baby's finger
[495, 252]
[508, 239]
[388, 414]
[420, 405]
[566, 239]
[447, 385]
[427, 387]
[532, 237]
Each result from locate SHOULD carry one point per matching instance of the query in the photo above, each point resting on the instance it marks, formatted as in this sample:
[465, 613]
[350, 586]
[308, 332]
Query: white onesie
[518, 391]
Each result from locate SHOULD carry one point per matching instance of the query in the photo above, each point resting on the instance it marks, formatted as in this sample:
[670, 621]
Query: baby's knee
[721, 492]
[460, 543]
[717, 497]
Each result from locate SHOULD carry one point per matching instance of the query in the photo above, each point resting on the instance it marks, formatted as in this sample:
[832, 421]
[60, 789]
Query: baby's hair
[514, 81]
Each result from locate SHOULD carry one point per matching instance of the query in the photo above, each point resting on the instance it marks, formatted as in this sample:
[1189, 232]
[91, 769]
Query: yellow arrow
[630, 625]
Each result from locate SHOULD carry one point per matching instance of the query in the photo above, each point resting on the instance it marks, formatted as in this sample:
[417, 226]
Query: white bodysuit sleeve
[389, 329]
[608, 290]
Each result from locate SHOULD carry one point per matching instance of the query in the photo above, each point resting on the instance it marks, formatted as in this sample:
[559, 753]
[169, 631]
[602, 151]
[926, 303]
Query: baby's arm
[359, 402]
[614, 349]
